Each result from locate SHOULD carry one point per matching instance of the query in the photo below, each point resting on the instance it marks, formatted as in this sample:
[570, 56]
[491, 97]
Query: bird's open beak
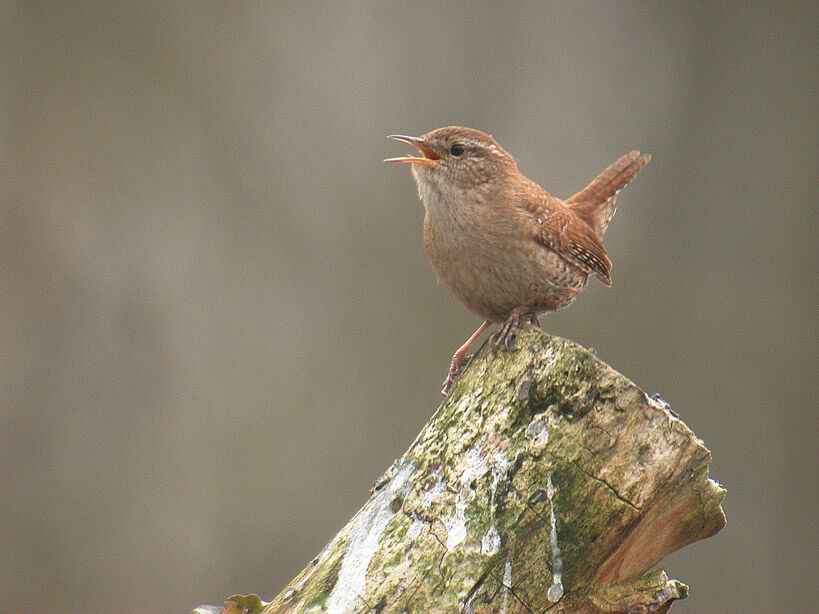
[429, 155]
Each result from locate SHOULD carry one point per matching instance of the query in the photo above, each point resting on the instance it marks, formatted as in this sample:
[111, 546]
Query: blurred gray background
[218, 325]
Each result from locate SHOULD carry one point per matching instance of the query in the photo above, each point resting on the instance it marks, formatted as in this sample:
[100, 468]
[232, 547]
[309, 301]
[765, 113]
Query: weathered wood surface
[546, 482]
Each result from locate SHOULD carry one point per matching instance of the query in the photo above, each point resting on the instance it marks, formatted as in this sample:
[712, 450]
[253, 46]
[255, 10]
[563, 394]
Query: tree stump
[545, 482]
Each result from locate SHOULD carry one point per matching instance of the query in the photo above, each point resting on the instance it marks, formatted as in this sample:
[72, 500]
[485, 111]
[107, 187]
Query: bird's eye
[457, 149]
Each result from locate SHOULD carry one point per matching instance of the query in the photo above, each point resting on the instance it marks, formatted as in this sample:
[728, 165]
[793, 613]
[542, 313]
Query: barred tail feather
[595, 203]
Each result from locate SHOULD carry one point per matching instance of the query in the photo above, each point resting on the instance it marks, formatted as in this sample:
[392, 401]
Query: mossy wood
[546, 482]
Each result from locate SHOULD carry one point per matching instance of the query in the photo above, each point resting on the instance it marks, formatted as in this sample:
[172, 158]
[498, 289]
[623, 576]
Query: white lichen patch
[491, 541]
[415, 528]
[432, 495]
[500, 467]
[370, 524]
[538, 432]
[507, 584]
[477, 464]
[456, 526]
[555, 591]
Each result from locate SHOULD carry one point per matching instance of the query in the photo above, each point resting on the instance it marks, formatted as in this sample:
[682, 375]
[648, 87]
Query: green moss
[249, 604]
[564, 387]
[396, 504]
[320, 588]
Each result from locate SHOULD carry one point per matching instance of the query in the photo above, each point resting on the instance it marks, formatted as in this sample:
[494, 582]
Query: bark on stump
[545, 482]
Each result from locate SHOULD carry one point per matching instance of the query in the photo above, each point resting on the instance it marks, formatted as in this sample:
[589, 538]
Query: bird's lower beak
[429, 155]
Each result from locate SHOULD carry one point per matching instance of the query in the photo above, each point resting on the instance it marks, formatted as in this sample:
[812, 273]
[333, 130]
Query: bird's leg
[460, 359]
[506, 333]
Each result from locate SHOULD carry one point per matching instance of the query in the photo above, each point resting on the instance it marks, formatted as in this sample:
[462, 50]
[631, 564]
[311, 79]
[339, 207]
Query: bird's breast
[482, 257]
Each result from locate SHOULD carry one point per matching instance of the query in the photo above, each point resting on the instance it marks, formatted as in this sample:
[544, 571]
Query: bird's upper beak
[429, 155]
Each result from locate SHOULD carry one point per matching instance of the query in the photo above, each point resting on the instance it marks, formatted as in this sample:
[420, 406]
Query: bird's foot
[505, 336]
[456, 367]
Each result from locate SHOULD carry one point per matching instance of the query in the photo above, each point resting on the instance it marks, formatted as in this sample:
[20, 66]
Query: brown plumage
[500, 243]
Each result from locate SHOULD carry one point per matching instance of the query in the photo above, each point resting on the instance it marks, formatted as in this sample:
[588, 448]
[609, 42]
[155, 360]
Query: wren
[500, 243]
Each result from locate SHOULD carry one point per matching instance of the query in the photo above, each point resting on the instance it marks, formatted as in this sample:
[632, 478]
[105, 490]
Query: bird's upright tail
[595, 202]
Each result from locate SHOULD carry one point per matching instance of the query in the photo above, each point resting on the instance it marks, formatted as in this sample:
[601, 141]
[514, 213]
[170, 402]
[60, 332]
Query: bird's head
[456, 159]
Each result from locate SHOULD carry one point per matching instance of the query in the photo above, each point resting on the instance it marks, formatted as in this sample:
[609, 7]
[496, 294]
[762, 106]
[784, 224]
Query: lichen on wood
[545, 482]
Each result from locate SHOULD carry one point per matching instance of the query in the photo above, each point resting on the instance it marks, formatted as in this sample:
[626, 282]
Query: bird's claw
[456, 367]
[505, 336]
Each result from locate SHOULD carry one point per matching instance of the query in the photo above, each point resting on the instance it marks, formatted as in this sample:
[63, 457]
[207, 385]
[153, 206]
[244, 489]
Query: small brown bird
[498, 242]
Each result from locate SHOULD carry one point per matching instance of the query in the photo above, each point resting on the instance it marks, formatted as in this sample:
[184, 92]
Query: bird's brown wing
[561, 230]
